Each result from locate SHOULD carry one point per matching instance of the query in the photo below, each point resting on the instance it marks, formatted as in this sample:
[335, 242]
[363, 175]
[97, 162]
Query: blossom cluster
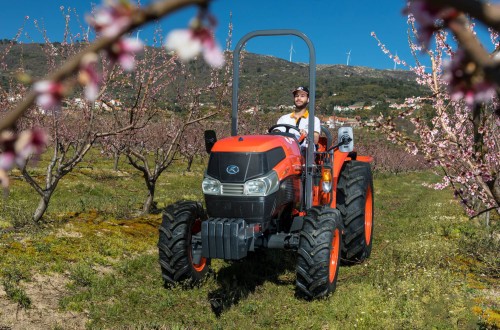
[111, 19]
[465, 79]
[199, 38]
[17, 148]
[429, 17]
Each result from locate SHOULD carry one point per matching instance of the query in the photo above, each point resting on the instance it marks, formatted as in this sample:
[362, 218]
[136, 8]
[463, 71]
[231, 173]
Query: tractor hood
[256, 143]
[240, 158]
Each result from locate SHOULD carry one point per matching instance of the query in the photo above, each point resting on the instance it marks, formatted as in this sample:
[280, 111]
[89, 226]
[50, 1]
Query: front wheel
[318, 259]
[179, 244]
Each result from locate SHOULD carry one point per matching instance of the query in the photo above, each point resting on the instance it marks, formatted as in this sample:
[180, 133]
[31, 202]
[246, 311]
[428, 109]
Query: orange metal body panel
[338, 160]
[365, 159]
[291, 165]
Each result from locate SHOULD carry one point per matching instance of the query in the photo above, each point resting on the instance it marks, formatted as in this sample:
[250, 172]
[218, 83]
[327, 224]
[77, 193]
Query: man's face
[301, 99]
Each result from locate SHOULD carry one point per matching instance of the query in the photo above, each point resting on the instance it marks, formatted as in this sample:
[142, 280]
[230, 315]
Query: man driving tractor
[299, 117]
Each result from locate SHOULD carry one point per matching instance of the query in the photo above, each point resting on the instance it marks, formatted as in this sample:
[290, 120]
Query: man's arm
[316, 137]
[317, 129]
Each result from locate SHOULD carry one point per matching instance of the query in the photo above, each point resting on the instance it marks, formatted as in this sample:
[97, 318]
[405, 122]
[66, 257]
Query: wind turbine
[291, 51]
[348, 56]
[395, 60]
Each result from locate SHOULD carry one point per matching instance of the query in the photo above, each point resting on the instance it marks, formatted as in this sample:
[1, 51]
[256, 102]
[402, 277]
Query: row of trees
[460, 137]
[136, 126]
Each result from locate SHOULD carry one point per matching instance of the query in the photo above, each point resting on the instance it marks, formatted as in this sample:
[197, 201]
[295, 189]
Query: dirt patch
[45, 291]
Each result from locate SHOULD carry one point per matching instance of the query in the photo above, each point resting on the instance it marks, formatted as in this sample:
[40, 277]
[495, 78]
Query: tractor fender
[339, 158]
[338, 161]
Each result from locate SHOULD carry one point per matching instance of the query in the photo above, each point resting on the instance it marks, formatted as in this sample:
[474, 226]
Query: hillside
[265, 80]
[335, 84]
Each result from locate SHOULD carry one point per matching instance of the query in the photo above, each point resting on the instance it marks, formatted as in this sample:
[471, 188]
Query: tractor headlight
[262, 186]
[211, 186]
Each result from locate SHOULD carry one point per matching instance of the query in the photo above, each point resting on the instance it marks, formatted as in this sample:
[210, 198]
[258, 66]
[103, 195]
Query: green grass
[420, 275]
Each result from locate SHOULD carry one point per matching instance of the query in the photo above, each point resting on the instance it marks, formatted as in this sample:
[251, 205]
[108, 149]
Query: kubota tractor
[264, 192]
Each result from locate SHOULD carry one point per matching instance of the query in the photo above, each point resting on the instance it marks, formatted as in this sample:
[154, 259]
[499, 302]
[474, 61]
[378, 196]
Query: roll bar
[312, 94]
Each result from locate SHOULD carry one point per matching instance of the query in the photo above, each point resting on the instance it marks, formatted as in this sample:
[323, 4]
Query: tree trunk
[495, 191]
[189, 164]
[149, 205]
[117, 158]
[41, 208]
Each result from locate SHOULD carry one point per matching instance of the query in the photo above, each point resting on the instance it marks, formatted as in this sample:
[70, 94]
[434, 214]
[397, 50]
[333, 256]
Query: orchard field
[78, 230]
[92, 263]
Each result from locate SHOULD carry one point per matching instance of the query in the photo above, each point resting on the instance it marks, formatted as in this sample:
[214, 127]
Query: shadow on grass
[241, 278]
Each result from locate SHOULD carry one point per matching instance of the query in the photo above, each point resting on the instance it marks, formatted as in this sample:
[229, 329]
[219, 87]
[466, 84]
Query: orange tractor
[264, 192]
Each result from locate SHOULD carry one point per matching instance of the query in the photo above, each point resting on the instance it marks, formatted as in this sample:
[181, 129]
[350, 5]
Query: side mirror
[346, 139]
[210, 139]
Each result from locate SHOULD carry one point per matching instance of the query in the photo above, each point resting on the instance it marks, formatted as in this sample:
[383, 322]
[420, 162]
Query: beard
[301, 107]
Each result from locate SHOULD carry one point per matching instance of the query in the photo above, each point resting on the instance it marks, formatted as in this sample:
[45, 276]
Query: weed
[82, 274]
[19, 215]
[17, 294]
[12, 276]
[483, 246]
[16, 273]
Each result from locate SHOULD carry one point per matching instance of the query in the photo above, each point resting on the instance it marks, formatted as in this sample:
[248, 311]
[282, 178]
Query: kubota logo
[232, 169]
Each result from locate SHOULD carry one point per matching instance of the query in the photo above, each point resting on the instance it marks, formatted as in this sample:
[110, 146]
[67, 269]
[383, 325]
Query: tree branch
[153, 12]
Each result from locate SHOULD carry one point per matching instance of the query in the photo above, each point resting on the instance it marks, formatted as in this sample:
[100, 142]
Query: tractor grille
[248, 165]
[232, 189]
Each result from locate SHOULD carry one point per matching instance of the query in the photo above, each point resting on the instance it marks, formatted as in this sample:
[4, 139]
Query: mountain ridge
[271, 77]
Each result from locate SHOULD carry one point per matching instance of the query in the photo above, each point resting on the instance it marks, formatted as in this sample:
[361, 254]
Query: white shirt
[303, 124]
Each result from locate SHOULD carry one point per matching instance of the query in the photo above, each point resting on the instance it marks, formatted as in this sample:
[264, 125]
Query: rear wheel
[318, 259]
[355, 202]
[179, 244]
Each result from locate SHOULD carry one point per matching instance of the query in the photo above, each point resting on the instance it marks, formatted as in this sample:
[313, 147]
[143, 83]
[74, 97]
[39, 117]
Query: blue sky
[334, 26]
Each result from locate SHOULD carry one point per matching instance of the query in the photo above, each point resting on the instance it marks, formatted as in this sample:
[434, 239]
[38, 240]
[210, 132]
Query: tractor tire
[355, 203]
[181, 221]
[318, 258]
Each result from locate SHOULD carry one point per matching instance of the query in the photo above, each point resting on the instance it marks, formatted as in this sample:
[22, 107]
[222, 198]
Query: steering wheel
[287, 128]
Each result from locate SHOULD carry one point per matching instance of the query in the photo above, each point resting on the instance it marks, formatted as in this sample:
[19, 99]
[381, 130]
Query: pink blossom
[123, 51]
[212, 53]
[112, 19]
[494, 37]
[17, 148]
[49, 95]
[464, 82]
[183, 43]
[7, 160]
[188, 43]
[426, 14]
[89, 77]
[28, 143]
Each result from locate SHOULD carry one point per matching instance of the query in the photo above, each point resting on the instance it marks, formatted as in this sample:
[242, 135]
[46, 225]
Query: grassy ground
[423, 272]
